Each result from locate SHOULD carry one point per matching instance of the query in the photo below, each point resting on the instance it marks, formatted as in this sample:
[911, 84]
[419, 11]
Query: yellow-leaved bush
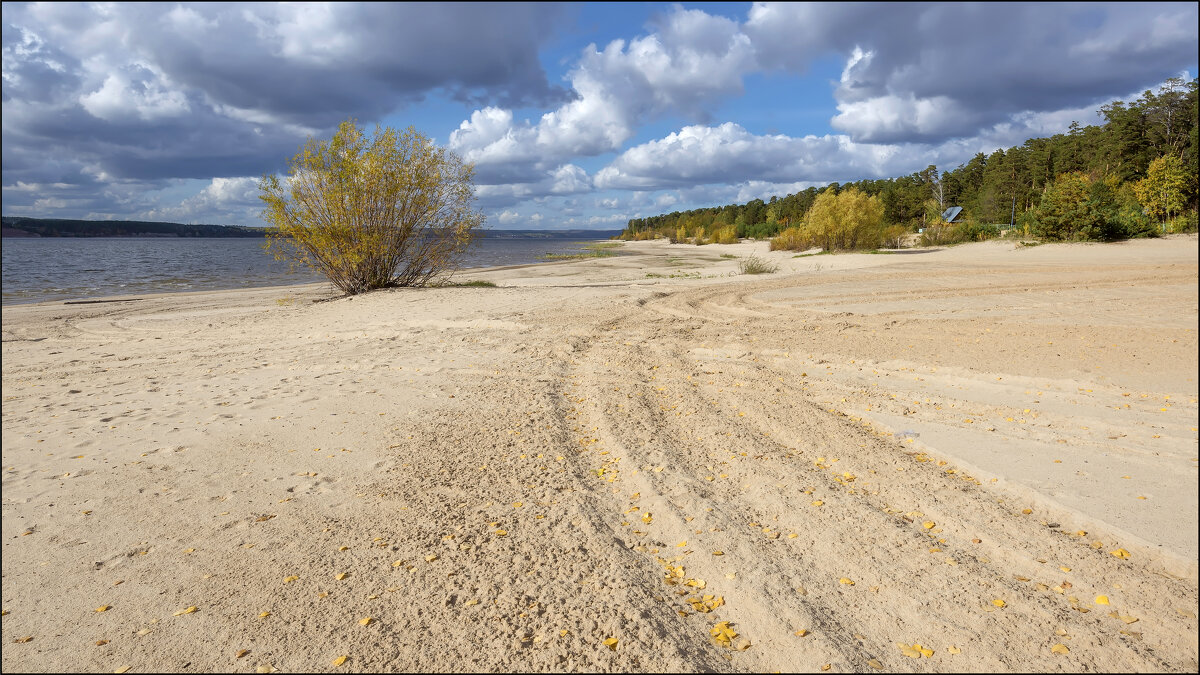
[847, 220]
[392, 209]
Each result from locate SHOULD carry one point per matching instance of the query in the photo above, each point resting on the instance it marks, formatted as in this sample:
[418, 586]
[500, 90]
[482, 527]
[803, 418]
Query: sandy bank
[504, 478]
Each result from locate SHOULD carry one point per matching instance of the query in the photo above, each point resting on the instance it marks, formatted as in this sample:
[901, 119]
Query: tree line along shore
[1133, 176]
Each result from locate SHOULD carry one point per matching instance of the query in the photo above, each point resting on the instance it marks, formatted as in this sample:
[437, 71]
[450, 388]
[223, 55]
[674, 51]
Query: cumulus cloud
[729, 154]
[691, 62]
[138, 94]
[931, 72]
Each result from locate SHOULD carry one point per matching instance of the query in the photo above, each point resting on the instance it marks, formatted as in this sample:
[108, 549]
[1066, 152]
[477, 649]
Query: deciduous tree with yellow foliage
[392, 209]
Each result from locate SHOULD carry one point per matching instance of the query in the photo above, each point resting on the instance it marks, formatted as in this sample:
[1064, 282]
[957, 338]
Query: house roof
[951, 213]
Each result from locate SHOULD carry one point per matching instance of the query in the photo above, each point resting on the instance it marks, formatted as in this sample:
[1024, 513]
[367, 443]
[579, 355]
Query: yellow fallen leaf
[501, 533]
[1060, 648]
[845, 581]
[999, 603]
[189, 610]
[340, 660]
[925, 651]
[681, 544]
[431, 558]
[23, 640]
[343, 548]
[908, 651]
[928, 524]
[818, 503]
[264, 615]
[874, 663]
[101, 643]
[953, 650]
[241, 653]
[647, 517]
[718, 553]
[288, 580]
[611, 643]
[1120, 553]
[802, 632]
[341, 575]
[563, 633]
[1101, 599]
[365, 622]
[103, 608]
[517, 505]
[122, 669]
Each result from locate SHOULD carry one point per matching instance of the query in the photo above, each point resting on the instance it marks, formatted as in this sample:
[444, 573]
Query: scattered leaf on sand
[845, 581]
[611, 643]
[365, 622]
[1121, 553]
[264, 615]
[240, 653]
[431, 558]
[953, 650]
[189, 610]
[723, 633]
[23, 640]
[101, 643]
[802, 632]
[103, 608]
[341, 575]
[340, 660]
[122, 669]
[265, 668]
[501, 533]
[929, 524]
[999, 603]
[1060, 648]
[908, 651]
[288, 580]
[874, 663]
[1101, 599]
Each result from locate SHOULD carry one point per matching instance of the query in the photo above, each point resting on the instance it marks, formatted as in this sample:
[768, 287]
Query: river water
[68, 268]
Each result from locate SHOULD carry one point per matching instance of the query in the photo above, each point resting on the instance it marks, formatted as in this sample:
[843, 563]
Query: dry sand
[635, 448]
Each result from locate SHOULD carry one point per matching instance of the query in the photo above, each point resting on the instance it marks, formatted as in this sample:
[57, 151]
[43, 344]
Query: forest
[1133, 176]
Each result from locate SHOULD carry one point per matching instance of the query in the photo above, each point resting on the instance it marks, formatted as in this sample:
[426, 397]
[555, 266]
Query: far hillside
[15, 226]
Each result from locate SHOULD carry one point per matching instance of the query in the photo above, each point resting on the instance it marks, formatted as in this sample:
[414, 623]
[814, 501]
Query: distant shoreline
[19, 227]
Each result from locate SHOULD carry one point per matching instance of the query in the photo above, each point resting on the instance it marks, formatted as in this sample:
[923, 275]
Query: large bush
[392, 209]
[847, 220]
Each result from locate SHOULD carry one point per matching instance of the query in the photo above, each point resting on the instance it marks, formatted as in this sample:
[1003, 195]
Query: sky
[574, 115]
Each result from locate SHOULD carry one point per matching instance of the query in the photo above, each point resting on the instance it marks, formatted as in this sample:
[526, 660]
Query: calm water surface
[45, 269]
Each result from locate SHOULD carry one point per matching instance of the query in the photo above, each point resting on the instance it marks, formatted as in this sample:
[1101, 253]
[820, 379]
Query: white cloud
[730, 154]
[693, 62]
[146, 97]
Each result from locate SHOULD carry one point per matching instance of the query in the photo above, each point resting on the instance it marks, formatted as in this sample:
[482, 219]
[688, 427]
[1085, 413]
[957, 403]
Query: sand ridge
[642, 448]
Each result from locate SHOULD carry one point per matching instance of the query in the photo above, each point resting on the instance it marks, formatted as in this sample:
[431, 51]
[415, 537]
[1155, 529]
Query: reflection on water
[42, 269]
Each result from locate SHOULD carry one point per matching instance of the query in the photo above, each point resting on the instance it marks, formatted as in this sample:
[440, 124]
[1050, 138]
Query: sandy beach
[977, 458]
